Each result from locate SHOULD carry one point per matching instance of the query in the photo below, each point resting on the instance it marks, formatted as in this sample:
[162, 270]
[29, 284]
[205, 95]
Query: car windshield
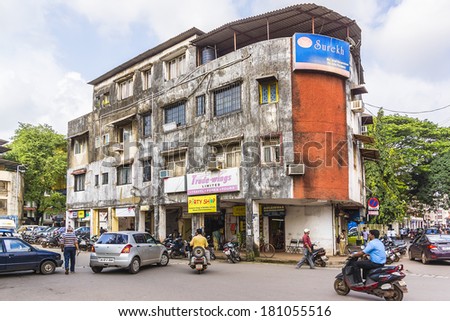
[439, 238]
[113, 238]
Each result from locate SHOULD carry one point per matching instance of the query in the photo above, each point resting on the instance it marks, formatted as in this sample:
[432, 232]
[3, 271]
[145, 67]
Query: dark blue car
[18, 255]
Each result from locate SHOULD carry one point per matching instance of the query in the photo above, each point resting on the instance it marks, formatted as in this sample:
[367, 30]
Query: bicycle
[267, 249]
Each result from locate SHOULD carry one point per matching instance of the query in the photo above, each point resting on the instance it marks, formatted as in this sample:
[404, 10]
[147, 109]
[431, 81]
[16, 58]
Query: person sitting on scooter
[375, 248]
[200, 240]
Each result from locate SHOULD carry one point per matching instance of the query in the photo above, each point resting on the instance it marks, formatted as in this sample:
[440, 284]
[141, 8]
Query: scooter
[232, 252]
[319, 256]
[385, 282]
[177, 249]
[198, 260]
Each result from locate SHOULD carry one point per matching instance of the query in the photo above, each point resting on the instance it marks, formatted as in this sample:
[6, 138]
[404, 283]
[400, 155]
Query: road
[221, 282]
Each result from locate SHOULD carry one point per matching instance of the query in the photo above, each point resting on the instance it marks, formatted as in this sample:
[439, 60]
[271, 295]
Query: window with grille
[201, 109]
[79, 146]
[126, 89]
[124, 175]
[271, 151]
[79, 182]
[176, 163]
[268, 92]
[147, 124]
[175, 113]
[176, 67]
[228, 155]
[146, 170]
[227, 99]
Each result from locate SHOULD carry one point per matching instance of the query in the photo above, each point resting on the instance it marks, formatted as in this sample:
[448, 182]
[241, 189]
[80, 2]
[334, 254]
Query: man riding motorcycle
[200, 240]
[375, 248]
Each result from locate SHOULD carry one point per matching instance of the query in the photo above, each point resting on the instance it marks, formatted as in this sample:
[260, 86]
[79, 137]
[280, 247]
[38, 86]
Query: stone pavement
[288, 258]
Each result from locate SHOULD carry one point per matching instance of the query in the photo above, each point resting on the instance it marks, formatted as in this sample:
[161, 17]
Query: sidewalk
[287, 258]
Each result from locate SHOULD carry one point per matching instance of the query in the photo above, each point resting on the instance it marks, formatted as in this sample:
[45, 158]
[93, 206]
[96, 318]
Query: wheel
[341, 287]
[134, 266]
[398, 295]
[424, 259]
[410, 256]
[172, 255]
[47, 267]
[164, 260]
[213, 256]
[323, 264]
[96, 269]
[397, 258]
[44, 244]
[268, 250]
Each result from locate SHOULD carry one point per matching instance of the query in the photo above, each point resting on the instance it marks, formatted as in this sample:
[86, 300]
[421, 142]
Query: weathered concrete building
[253, 129]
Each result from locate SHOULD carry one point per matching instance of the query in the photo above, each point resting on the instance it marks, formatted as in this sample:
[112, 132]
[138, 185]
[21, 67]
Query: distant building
[255, 129]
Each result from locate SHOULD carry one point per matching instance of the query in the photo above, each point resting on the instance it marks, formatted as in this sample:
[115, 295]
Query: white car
[127, 249]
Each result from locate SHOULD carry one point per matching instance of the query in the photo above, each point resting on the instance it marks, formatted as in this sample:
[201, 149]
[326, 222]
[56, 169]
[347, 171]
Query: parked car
[127, 249]
[430, 247]
[83, 230]
[6, 232]
[18, 255]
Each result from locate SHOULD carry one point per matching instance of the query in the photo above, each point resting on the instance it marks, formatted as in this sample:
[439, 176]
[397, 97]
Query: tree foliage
[44, 153]
[408, 147]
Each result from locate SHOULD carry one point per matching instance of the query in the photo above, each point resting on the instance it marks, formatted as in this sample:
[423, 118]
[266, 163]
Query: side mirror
[362, 247]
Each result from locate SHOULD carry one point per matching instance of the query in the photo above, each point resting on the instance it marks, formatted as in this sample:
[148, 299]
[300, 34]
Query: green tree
[44, 153]
[437, 189]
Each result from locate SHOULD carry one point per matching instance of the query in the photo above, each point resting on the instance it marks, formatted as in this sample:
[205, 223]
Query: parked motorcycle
[198, 260]
[232, 252]
[177, 249]
[385, 282]
[211, 248]
[319, 256]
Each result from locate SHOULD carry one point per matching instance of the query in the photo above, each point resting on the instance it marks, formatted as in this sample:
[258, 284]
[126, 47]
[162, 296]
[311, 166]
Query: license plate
[227, 252]
[199, 266]
[402, 283]
[106, 260]
[446, 248]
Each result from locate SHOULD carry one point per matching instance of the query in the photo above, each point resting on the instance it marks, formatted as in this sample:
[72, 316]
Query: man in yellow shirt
[200, 240]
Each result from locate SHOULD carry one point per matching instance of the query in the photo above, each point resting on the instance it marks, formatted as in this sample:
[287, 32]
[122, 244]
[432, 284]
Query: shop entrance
[276, 232]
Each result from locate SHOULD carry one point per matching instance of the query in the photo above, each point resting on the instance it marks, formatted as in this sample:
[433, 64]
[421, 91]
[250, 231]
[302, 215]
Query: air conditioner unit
[364, 130]
[215, 165]
[357, 106]
[165, 173]
[296, 169]
[169, 126]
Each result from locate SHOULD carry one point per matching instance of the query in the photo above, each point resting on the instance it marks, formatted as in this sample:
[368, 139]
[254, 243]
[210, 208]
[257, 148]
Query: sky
[51, 49]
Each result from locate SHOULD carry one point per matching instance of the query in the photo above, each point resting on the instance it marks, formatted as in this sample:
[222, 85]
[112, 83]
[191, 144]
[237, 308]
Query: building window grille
[201, 105]
[175, 113]
[124, 175]
[79, 182]
[268, 92]
[227, 99]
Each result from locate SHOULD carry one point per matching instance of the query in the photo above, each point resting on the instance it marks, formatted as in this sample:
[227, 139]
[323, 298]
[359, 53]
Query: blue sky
[51, 49]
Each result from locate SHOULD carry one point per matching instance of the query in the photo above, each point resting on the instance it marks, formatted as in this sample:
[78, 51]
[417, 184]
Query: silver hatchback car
[127, 249]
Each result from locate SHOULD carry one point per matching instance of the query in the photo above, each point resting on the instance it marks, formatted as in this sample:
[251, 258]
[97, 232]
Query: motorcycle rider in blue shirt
[377, 252]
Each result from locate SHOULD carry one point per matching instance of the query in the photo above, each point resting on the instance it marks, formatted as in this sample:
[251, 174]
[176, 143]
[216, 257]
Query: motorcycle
[385, 282]
[177, 249]
[319, 256]
[198, 260]
[211, 248]
[232, 252]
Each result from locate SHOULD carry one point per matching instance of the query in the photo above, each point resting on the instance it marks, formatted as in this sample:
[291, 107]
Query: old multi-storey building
[254, 129]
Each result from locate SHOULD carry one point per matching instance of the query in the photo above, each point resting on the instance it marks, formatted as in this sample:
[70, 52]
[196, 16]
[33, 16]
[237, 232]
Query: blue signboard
[318, 52]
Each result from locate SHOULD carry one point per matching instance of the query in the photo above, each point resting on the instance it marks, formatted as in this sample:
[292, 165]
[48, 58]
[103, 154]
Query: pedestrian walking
[69, 245]
[342, 243]
[307, 251]
[365, 235]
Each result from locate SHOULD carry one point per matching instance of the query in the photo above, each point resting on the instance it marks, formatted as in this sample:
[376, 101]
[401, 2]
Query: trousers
[69, 255]
[306, 257]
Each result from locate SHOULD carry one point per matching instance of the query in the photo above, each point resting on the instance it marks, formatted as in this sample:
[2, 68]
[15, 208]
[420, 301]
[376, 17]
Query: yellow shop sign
[203, 204]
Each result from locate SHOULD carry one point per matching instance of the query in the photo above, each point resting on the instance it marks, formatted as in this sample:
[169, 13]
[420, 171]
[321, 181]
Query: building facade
[239, 131]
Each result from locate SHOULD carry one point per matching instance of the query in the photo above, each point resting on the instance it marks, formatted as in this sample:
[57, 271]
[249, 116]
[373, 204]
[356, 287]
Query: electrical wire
[409, 112]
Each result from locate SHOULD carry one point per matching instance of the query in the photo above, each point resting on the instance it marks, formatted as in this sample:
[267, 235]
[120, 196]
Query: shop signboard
[203, 204]
[225, 180]
[319, 52]
[239, 210]
[125, 212]
[273, 210]
[80, 214]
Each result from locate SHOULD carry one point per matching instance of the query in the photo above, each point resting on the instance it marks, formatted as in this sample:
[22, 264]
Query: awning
[79, 171]
[121, 120]
[358, 90]
[79, 134]
[369, 153]
[364, 138]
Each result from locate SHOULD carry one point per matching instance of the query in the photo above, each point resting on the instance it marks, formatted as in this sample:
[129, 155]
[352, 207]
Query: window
[3, 186]
[175, 113]
[124, 134]
[78, 146]
[146, 170]
[229, 155]
[124, 175]
[176, 162]
[79, 182]
[268, 92]
[227, 100]
[3, 206]
[147, 79]
[105, 139]
[105, 178]
[271, 151]
[105, 99]
[147, 124]
[126, 89]
[96, 180]
[200, 105]
[176, 67]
